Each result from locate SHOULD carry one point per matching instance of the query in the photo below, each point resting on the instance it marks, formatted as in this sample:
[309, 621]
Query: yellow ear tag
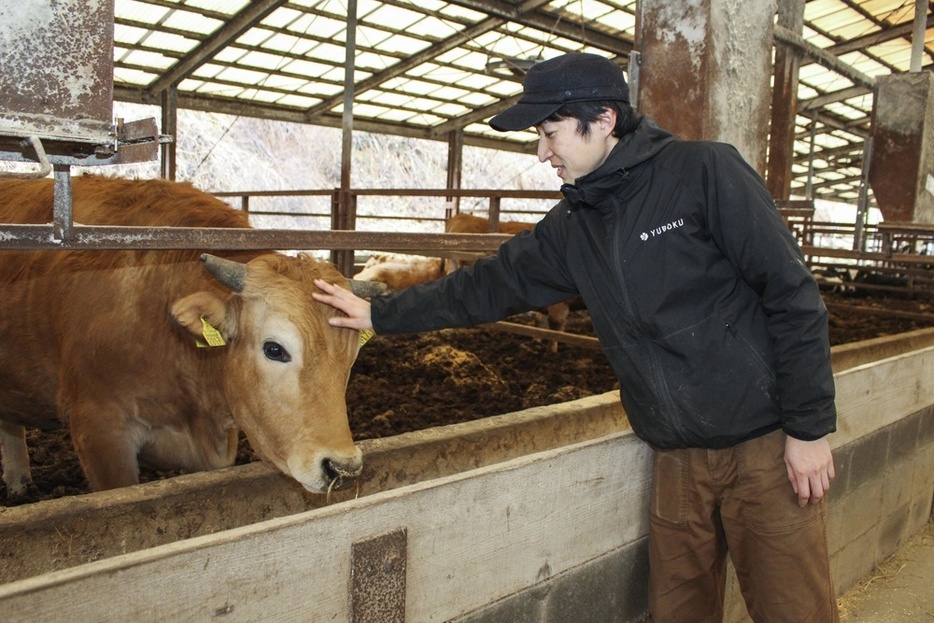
[212, 337]
[365, 336]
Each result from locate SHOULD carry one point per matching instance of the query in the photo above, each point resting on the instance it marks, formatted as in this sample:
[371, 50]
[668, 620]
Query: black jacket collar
[636, 147]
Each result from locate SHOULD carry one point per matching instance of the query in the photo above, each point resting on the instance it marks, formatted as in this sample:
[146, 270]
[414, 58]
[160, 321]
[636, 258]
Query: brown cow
[399, 271]
[105, 342]
[553, 317]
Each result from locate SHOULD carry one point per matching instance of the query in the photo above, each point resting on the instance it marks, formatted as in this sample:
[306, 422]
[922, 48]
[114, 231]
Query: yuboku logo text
[658, 231]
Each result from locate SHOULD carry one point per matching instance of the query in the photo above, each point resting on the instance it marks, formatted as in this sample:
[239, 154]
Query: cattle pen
[539, 515]
[530, 516]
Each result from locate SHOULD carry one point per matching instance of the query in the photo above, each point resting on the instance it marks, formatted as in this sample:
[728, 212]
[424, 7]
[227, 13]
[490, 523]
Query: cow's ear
[189, 311]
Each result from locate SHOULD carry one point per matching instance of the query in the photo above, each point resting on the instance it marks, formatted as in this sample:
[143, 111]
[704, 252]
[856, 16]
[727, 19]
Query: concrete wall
[556, 534]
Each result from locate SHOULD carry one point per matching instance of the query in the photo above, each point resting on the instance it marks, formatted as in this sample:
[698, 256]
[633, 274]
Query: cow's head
[286, 369]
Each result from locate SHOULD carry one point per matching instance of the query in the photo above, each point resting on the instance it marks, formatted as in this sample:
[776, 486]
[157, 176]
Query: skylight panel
[171, 41]
[820, 9]
[139, 11]
[242, 76]
[450, 110]
[365, 109]
[261, 95]
[319, 26]
[371, 37]
[128, 34]
[418, 87]
[148, 59]
[262, 60]
[403, 44]
[385, 98]
[329, 52]
[449, 93]
[321, 89]
[306, 68]
[373, 62]
[865, 64]
[282, 17]
[230, 55]
[460, 13]
[129, 75]
[279, 42]
[398, 17]
[255, 36]
[230, 7]
[429, 27]
[298, 101]
[192, 22]
[208, 71]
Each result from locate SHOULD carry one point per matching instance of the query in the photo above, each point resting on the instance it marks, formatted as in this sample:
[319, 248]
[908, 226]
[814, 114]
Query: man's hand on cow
[810, 468]
[357, 310]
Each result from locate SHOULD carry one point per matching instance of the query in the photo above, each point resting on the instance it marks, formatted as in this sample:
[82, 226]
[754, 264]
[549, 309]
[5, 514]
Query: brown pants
[739, 499]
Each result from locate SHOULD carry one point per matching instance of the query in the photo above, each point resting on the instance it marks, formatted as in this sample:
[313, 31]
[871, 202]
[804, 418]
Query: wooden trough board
[470, 537]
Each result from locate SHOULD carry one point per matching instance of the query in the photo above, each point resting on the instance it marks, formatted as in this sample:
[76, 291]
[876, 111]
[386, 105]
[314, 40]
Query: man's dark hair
[587, 112]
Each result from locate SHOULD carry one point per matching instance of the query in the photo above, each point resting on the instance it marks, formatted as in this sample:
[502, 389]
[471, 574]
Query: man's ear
[189, 311]
[607, 121]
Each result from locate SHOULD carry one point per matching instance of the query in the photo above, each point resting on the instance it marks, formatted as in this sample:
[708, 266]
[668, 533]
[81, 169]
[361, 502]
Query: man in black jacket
[704, 306]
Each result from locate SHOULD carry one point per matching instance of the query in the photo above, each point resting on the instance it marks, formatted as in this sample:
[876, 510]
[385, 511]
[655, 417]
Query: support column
[705, 70]
[455, 170]
[901, 171]
[784, 103]
[170, 127]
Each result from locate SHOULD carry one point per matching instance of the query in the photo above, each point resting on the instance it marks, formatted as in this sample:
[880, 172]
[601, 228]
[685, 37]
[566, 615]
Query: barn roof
[424, 68]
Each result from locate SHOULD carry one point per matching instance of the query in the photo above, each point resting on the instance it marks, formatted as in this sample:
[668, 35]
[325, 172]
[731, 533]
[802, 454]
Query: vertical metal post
[862, 203]
[346, 208]
[455, 167]
[809, 189]
[494, 213]
[917, 35]
[62, 218]
[170, 127]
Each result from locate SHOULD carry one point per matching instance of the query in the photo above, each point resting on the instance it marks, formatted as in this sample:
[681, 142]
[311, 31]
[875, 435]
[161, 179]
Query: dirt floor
[899, 591]
[405, 383]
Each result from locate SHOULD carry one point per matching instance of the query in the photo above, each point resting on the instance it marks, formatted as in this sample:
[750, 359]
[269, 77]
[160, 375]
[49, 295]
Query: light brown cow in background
[104, 342]
[553, 317]
[399, 271]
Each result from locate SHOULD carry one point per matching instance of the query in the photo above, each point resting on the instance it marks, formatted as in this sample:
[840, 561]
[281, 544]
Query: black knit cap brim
[549, 85]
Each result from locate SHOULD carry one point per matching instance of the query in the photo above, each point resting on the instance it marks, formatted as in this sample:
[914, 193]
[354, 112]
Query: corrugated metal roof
[423, 69]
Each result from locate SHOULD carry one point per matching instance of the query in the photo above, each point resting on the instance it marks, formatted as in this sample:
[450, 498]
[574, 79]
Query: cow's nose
[339, 473]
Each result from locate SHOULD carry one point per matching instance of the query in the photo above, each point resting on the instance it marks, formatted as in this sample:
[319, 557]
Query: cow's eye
[275, 352]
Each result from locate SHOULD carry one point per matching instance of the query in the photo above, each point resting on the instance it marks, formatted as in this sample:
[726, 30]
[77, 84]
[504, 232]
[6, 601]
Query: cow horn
[228, 272]
[367, 289]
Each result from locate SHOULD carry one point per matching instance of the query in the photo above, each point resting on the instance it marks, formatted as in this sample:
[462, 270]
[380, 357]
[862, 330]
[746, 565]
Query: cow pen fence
[539, 516]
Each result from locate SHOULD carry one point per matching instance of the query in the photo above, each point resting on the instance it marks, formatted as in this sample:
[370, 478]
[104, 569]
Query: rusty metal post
[170, 127]
[903, 147]
[705, 69]
[495, 203]
[455, 167]
[784, 103]
[62, 214]
[346, 206]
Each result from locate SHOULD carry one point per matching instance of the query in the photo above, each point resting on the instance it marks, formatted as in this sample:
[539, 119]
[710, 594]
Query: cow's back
[66, 316]
[464, 223]
[98, 200]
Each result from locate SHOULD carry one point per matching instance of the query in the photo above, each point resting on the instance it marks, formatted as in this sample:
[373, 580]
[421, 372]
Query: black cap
[549, 85]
